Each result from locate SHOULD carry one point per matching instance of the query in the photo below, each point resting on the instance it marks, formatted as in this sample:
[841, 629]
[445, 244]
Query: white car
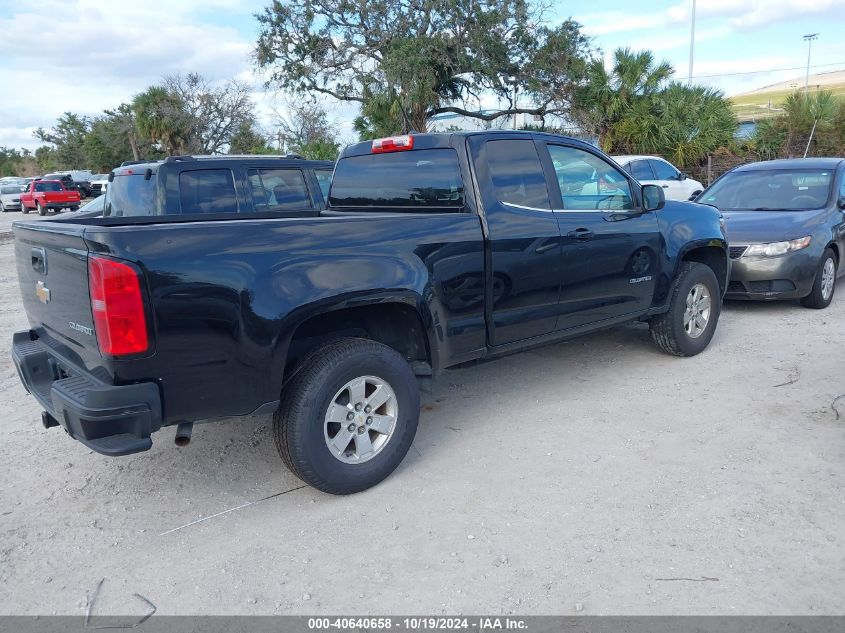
[10, 197]
[653, 170]
[99, 184]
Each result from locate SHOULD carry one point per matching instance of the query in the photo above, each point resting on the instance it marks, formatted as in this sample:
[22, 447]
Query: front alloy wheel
[825, 283]
[697, 313]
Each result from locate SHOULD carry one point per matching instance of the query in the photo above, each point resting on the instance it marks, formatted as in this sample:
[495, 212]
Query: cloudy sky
[87, 55]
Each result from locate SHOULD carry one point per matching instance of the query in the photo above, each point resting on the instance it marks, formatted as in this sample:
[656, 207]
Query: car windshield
[770, 190]
[11, 190]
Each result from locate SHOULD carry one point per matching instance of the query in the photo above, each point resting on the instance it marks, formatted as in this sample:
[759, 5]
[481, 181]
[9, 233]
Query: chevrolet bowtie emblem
[42, 292]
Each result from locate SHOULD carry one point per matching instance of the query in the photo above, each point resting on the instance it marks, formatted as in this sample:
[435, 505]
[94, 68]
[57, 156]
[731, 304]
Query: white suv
[653, 170]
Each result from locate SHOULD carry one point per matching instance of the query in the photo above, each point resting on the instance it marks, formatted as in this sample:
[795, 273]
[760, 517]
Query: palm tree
[608, 96]
[160, 116]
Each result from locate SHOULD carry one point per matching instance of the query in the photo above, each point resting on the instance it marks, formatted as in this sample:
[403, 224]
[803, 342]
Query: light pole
[691, 43]
[809, 39]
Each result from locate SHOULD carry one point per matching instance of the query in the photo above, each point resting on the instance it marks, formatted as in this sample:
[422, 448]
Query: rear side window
[207, 191]
[517, 174]
[324, 179]
[641, 170]
[414, 181]
[663, 170]
[277, 189]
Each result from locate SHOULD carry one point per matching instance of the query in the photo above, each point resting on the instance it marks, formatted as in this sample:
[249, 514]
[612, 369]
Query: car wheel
[695, 302]
[3, 207]
[74, 208]
[348, 416]
[41, 210]
[825, 283]
[24, 209]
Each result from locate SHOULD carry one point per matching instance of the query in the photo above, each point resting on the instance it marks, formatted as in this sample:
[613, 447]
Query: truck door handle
[581, 235]
[39, 260]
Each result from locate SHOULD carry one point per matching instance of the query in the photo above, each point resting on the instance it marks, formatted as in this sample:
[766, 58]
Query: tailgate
[61, 196]
[52, 263]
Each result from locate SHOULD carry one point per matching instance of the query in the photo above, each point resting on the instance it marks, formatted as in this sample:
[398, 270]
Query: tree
[609, 96]
[428, 56]
[160, 116]
[811, 122]
[113, 138]
[10, 161]
[68, 139]
[248, 140]
[308, 132]
[215, 112]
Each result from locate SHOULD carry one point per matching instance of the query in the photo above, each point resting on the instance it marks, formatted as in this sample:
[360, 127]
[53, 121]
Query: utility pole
[691, 44]
[809, 39]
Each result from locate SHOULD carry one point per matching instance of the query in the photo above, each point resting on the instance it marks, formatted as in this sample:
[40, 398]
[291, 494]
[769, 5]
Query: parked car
[43, 195]
[95, 207]
[71, 183]
[653, 170]
[786, 228]
[235, 293]
[99, 184]
[10, 197]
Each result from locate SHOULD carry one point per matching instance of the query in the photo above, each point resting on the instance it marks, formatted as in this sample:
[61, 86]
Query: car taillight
[393, 144]
[118, 307]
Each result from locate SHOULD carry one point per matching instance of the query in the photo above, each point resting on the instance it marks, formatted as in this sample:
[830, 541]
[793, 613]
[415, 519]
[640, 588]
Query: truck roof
[432, 140]
[128, 167]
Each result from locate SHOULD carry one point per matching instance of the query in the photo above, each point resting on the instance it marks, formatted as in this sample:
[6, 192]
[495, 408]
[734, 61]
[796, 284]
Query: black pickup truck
[189, 303]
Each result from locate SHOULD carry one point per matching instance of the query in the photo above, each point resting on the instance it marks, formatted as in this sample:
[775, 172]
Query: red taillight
[393, 144]
[118, 307]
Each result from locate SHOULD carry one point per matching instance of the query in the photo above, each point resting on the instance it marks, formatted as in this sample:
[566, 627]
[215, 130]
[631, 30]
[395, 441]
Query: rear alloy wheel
[695, 303]
[825, 283]
[348, 416]
[41, 210]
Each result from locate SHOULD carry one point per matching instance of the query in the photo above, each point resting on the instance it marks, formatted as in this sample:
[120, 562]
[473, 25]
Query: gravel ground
[597, 476]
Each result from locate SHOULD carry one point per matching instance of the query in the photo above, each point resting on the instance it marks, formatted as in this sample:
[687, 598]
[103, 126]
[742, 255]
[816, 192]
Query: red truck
[48, 194]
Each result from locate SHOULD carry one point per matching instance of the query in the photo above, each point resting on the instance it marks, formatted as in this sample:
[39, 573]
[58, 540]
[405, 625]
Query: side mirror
[682, 176]
[653, 198]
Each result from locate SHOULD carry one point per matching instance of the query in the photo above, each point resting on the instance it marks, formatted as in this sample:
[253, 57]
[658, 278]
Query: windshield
[12, 190]
[770, 190]
[131, 195]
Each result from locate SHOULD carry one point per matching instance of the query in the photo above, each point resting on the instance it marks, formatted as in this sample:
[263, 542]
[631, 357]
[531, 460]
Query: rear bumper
[109, 419]
[61, 205]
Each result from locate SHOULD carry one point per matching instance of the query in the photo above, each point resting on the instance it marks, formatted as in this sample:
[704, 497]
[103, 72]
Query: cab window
[278, 189]
[587, 182]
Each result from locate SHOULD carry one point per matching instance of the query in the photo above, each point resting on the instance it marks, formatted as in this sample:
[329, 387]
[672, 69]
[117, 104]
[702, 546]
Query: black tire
[816, 299]
[667, 330]
[41, 210]
[25, 209]
[298, 425]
